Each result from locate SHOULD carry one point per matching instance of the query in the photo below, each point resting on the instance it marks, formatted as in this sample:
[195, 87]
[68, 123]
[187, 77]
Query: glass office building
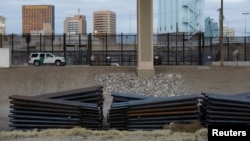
[181, 16]
[211, 28]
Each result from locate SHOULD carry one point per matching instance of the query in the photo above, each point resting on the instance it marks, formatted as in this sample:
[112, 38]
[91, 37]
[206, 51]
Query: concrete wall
[233, 63]
[5, 58]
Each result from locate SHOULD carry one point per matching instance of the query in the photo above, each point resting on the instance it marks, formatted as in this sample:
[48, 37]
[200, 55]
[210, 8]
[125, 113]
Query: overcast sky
[125, 12]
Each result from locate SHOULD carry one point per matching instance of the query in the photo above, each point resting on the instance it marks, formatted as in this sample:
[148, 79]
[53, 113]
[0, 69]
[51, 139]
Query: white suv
[45, 58]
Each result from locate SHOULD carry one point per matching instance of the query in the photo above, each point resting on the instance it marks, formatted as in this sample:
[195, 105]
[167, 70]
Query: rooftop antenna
[130, 23]
[78, 11]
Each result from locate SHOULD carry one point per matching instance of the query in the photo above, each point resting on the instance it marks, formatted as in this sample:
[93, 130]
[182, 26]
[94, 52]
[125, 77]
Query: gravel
[161, 85]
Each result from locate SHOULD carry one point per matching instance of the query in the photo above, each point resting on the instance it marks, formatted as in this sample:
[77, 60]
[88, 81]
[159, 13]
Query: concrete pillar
[145, 66]
[5, 58]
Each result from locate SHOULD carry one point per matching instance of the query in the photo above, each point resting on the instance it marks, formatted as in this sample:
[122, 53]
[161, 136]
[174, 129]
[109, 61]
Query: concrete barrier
[233, 63]
[5, 58]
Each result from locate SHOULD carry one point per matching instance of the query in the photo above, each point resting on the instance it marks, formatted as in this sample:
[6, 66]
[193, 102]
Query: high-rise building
[104, 22]
[76, 24]
[2, 25]
[38, 19]
[211, 28]
[180, 16]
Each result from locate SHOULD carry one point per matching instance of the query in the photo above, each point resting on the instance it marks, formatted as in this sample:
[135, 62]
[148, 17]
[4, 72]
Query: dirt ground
[31, 80]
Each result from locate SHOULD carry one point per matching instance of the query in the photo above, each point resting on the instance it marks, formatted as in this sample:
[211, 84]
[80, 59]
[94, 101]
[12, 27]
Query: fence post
[64, 46]
[245, 47]
[79, 49]
[183, 50]
[28, 36]
[89, 55]
[168, 48]
[12, 43]
[106, 48]
[122, 49]
[199, 50]
[192, 59]
[228, 44]
[176, 45]
[44, 42]
[1, 40]
[211, 45]
[40, 42]
[52, 40]
[135, 49]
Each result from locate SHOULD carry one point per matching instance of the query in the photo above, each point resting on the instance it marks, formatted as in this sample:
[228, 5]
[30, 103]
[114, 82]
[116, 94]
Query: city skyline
[125, 10]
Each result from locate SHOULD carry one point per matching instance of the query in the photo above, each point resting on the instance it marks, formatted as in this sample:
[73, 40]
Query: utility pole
[221, 35]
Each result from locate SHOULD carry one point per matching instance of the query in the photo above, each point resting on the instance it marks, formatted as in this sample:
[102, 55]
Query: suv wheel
[36, 63]
[58, 63]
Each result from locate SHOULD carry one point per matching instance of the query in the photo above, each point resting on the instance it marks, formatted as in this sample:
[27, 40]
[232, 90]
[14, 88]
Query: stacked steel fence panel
[58, 110]
[220, 109]
[84, 108]
[117, 117]
[153, 113]
[125, 97]
[89, 95]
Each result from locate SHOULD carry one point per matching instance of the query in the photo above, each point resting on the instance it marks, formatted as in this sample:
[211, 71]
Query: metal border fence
[121, 50]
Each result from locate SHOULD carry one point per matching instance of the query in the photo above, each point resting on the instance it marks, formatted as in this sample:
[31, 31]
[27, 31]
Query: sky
[125, 13]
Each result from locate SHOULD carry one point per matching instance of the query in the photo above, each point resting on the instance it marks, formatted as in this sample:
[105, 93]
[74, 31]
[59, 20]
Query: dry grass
[188, 127]
[81, 134]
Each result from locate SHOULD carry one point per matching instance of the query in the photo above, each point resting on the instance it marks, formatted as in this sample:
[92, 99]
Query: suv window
[34, 55]
[42, 55]
[49, 56]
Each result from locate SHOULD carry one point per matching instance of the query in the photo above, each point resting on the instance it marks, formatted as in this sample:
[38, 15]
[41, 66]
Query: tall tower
[104, 22]
[76, 24]
[2, 25]
[181, 16]
[38, 19]
[211, 28]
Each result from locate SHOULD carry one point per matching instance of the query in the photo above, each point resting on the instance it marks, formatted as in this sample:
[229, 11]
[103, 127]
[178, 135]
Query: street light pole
[245, 22]
[245, 38]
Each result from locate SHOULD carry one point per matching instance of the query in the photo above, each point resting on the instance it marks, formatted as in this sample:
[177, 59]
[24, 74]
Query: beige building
[104, 22]
[75, 25]
[228, 32]
[2, 25]
[38, 19]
